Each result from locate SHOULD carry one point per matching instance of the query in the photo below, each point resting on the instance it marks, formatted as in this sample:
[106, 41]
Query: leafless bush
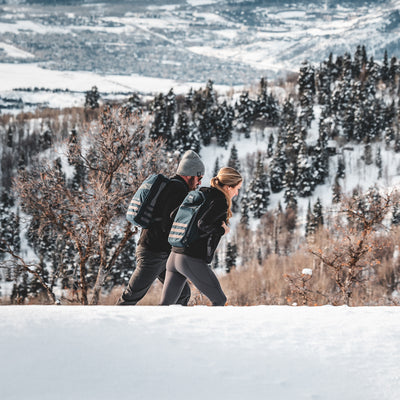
[349, 250]
[116, 158]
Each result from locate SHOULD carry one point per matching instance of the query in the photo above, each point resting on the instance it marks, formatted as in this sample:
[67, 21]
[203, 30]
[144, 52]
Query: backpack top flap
[141, 208]
[184, 228]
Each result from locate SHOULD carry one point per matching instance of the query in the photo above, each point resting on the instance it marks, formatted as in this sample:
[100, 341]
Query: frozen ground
[263, 352]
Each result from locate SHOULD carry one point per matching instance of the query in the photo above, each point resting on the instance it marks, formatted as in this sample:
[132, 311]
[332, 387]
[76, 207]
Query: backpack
[141, 208]
[184, 229]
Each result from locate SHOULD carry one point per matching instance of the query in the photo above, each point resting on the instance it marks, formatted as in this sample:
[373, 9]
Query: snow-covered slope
[279, 353]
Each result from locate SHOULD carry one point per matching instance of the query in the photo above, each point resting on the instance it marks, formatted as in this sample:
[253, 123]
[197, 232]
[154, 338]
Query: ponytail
[226, 177]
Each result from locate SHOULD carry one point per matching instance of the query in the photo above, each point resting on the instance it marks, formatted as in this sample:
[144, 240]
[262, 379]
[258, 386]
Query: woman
[191, 262]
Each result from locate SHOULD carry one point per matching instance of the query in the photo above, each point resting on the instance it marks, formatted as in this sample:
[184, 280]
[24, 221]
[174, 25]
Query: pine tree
[341, 168]
[278, 166]
[223, 120]
[158, 127]
[244, 211]
[305, 183]
[233, 161]
[367, 154]
[336, 191]
[270, 149]
[318, 214]
[290, 188]
[245, 110]
[378, 162]
[266, 107]
[385, 68]
[396, 214]
[306, 83]
[310, 222]
[204, 102]
[182, 132]
[215, 261]
[397, 143]
[230, 257]
[216, 167]
[259, 191]
[92, 98]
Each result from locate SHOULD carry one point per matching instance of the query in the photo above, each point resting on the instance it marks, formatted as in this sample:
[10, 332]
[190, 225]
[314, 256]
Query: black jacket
[155, 238]
[210, 226]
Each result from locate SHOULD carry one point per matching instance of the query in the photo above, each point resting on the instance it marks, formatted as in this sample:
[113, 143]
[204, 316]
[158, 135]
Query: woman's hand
[226, 227]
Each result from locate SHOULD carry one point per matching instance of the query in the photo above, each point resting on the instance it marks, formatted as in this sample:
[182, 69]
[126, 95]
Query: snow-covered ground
[263, 352]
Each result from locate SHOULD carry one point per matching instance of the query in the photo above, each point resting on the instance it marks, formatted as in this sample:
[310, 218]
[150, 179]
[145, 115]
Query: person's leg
[149, 265]
[173, 285]
[201, 275]
[185, 292]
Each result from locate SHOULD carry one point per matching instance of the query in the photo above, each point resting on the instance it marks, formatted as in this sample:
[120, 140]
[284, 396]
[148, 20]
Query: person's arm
[211, 221]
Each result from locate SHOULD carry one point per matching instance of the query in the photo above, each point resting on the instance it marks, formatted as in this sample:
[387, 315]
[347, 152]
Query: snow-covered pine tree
[396, 214]
[233, 161]
[306, 85]
[259, 192]
[324, 80]
[278, 166]
[290, 187]
[304, 182]
[223, 121]
[245, 110]
[385, 68]
[181, 134]
[270, 148]
[204, 102]
[266, 107]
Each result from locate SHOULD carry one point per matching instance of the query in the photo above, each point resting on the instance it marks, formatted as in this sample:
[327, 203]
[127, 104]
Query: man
[153, 248]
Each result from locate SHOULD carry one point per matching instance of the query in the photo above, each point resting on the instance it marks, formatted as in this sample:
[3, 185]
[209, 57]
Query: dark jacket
[155, 238]
[210, 226]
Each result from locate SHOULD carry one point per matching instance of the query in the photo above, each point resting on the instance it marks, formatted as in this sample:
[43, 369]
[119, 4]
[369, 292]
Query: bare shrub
[349, 249]
[116, 158]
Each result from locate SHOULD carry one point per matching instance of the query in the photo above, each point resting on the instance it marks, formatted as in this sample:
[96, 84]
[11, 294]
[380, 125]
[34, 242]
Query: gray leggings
[181, 267]
[149, 266]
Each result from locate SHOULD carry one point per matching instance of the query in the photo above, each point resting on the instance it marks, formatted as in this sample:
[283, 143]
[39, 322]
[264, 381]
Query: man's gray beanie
[190, 165]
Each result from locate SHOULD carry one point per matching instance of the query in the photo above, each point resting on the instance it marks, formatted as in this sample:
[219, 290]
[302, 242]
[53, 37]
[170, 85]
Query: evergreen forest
[68, 176]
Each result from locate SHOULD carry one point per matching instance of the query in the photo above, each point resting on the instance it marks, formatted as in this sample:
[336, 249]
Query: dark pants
[149, 266]
[181, 267]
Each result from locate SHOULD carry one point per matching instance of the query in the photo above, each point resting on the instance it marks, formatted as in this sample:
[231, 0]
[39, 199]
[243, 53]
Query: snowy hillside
[254, 353]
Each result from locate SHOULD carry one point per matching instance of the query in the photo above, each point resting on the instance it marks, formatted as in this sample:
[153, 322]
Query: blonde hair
[226, 176]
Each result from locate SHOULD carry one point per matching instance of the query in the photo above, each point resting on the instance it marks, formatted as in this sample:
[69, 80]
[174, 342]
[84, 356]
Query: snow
[13, 51]
[25, 75]
[149, 352]
[196, 3]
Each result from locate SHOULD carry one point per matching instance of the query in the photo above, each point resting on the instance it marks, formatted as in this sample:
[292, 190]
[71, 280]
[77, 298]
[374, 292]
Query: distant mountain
[230, 41]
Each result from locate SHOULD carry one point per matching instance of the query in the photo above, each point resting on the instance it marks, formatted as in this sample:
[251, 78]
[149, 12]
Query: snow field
[262, 352]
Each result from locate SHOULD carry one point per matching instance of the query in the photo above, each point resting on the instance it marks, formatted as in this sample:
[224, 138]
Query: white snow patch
[107, 352]
[15, 52]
